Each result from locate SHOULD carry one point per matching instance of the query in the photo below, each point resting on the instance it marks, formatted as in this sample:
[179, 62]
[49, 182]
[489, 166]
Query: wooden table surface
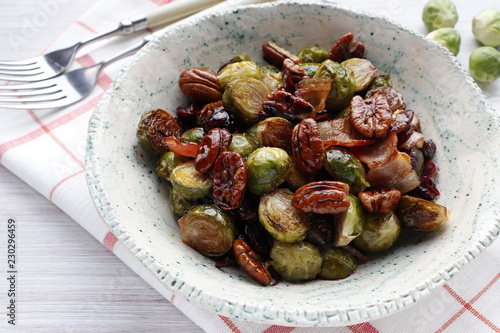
[67, 280]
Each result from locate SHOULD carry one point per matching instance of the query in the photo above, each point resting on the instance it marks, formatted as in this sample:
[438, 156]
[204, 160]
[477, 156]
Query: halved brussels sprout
[363, 70]
[243, 97]
[272, 77]
[337, 264]
[349, 224]
[343, 84]
[188, 182]
[238, 70]
[310, 67]
[208, 230]
[194, 134]
[178, 204]
[267, 169]
[313, 54]
[167, 162]
[242, 144]
[298, 261]
[380, 232]
[343, 166]
[275, 132]
[295, 177]
[380, 80]
[280, 218]
[421, 215]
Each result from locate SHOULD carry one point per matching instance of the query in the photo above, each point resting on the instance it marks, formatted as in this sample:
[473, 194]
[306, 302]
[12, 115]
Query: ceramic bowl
[454, 114]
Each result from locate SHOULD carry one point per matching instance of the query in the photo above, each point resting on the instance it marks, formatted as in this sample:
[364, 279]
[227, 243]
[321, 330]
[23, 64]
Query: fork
[61, 90]
[56, 62]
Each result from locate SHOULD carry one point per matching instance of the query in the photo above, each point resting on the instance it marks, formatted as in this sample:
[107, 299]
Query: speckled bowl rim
[347, 316]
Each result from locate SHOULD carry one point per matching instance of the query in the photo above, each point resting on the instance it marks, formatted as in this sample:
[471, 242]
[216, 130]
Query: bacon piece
[314, 91]
[378, 153]
[340, 132]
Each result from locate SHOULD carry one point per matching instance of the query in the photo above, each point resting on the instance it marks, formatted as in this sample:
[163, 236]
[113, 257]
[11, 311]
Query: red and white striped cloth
[46, 149]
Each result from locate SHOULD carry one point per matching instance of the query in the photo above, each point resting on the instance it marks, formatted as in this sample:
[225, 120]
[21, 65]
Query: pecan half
[322, 197]
[382, 200]
[230, 175]
[307, 147]
[370, 117]
[212, 145]
[251, 263]
[345, 48]
[284, 104]
[394, 98]
[401, 120]
[276, 55]
[200, 84]
[292, 74]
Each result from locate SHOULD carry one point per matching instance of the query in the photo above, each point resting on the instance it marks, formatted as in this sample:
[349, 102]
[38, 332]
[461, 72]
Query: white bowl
[454, 114]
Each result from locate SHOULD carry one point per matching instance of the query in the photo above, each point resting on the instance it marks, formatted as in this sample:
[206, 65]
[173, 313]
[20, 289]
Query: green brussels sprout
[298, 261]
[281, 218]
[313, 54]
[180, 205]
[421, 215]
[242, 144]
[236, 70]
[380, 80]
[343, 84]
[310, 68]
[208, 229]
[241, 57]
[484, 64]
[267, 169]
[295, 177]
[194, 134]
[343, 166]
[349, 224]
[243, 97]
[439, 14]
[154, 127]
[448, 37]
[486, 27]
[188, 182]
[337, 264]
[363, 70]
[272, 80]
[167, 162]
[381, 231]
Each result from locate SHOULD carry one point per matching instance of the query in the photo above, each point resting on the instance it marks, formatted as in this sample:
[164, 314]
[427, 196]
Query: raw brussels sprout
[486, 27]
[343, 84]
[243, 97]
[280, 218]
[448, 37]
[267, 169]
[238, 70]
[208, 230]
[363, 70]
[381, 231]
[337, 264]
[380, 80]
[188, 182]
[194, 134]
[180, 205]
[242, 144]
[343, 166]
[167, 162]
[484, 64]
[439, 14]
[313, 54]
[349, 224]
[299, 261]
[310, 67]
[421, 215]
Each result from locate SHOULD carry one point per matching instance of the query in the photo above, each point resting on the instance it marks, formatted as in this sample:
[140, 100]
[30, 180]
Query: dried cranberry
[427, 189]
[429, 149]
[430, 169]
[187, 115]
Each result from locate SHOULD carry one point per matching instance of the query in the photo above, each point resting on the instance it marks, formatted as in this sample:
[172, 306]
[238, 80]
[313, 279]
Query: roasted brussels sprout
[448, 37]
[486, 27]
[337, 264]
[484, 64]
[299, 261]
[275, 132]
[267, 169]
[208, 230]
[380, 232]
[310, 68]
[380, 80]
[343, 166]
[167, 162]
[363, 70]
[242, 144]
[439, 14]
[243, 97]
[295, 178]
[237, 70]
[349, 224]
[421, 215]
[280, 218]
[194, 134]
[154, 127]
[188, 182]
[241, 57]
[315, 53]
[272, 77]
[180, 205]
[343, 84]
